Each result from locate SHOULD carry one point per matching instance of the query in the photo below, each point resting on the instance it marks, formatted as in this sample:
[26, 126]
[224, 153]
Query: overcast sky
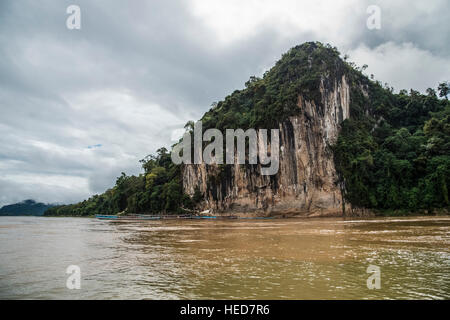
[78, 107]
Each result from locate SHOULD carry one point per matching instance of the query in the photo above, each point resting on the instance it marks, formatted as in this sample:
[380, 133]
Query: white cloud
[403, 66]
[56, 181]
[46, 188]
[177, 134]
[234, 20]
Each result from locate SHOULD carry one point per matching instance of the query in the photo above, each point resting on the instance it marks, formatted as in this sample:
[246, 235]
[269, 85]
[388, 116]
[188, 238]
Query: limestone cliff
[306, 183]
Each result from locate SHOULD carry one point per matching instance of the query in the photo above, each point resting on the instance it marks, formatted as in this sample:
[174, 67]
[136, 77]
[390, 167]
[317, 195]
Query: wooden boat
[138, 217]
[130, 217]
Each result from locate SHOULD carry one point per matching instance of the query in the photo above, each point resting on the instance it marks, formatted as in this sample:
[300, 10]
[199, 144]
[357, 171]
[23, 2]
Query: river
[237, 259]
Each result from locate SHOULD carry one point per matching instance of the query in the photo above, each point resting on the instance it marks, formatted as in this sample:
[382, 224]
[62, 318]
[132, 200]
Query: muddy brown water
[237, 259]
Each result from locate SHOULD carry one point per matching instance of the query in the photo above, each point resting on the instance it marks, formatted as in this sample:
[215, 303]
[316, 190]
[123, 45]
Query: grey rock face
[305, 183]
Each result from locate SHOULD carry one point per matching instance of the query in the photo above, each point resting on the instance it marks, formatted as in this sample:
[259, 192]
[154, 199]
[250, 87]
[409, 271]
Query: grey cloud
[422, 23]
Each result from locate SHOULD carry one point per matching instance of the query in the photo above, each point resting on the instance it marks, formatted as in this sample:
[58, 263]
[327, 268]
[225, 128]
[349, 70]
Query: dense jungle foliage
[397, 158]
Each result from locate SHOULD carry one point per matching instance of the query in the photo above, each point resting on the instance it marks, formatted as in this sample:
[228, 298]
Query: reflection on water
[271, 259]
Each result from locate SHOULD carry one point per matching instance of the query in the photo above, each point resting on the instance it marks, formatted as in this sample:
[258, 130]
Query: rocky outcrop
[306, 181]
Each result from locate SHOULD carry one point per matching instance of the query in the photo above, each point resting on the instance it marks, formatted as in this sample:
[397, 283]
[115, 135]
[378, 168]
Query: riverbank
[357, 213]
[352, 212]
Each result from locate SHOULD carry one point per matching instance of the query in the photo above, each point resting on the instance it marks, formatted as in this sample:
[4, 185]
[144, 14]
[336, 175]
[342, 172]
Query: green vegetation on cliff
[392, 153]
[398, 156]
[266, 102]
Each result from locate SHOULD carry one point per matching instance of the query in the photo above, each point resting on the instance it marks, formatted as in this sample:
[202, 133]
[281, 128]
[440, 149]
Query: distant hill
[25, 208]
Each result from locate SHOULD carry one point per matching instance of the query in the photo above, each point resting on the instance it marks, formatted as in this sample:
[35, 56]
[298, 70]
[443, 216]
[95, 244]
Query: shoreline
[278, 217]
[230, 214]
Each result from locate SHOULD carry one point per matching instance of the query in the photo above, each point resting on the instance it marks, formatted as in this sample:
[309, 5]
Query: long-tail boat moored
[135, 217]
